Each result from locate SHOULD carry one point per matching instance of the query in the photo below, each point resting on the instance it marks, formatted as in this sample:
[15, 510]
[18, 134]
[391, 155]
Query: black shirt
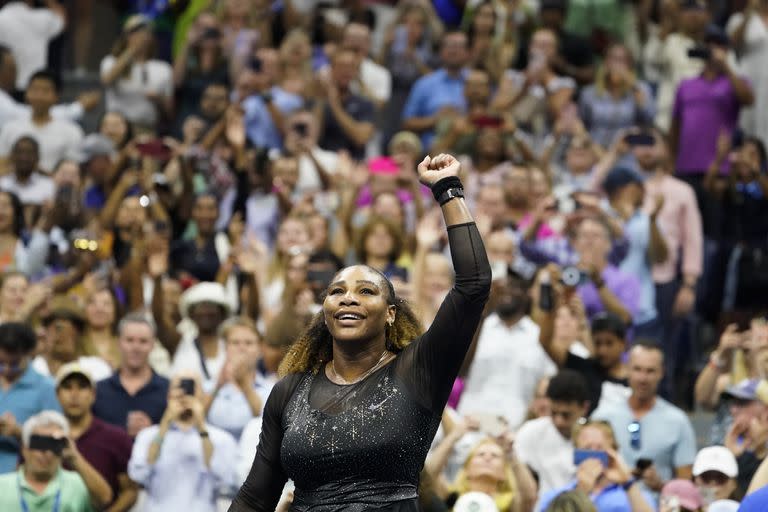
[594, 374]
[113, 402]
[202, 263]
[333, 137]
[361, 447]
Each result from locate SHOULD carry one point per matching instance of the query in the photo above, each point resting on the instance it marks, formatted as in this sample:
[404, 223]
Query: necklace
[364, 375]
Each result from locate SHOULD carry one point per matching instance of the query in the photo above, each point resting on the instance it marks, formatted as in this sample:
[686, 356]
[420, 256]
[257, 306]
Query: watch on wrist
[629, 483]
[449, 194]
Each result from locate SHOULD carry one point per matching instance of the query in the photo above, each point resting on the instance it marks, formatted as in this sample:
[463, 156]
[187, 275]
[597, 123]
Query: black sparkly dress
[362, 446]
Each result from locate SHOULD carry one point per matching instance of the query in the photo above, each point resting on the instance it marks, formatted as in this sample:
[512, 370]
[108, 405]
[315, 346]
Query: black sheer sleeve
[432, 362]
[262, 489]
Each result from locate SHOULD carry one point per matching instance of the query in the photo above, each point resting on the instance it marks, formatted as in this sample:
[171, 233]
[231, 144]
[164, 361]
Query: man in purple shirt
[707, 105]
[606, 288]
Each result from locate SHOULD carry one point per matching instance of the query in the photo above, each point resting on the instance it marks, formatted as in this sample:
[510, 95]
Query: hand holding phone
[188, 386]
[580, 456]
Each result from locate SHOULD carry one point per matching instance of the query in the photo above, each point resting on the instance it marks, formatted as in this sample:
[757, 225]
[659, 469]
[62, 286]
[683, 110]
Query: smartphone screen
[188, 386]
[580, 456]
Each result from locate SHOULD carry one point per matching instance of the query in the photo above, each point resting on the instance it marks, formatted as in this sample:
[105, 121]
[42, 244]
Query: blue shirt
[637, 230]
[29, 395]
[432, 92]
[259, 125]
[666, 435]
[755, 502]
[611, 499]
[113, 402]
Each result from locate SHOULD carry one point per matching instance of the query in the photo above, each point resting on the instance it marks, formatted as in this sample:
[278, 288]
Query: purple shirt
[624, 286]
[703, 108]
[107, 448]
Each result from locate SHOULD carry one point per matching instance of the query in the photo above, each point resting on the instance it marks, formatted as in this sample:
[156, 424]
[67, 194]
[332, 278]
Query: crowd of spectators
[155, 270]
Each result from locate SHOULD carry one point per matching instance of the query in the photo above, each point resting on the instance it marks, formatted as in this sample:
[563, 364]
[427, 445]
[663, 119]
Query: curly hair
[314, 347]
[395, 231]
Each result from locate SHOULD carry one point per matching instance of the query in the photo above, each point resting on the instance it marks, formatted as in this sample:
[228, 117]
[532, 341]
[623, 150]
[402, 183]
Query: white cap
[723, 506]
[715, 458]
[204, 292]
[475, 502]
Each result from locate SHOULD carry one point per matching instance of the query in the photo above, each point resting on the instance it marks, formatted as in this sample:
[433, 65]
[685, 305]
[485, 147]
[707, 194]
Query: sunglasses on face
[634, 435]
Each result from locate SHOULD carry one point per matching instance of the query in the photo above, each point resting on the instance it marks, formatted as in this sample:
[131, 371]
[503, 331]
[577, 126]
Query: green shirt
[74, 494]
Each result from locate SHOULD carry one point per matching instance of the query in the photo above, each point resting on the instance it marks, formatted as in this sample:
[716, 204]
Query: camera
[572, 277]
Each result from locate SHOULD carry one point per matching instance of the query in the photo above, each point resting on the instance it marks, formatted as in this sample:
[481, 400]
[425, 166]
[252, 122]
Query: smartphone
[154, 149]
[188, 386]
[546, 296]
[255, 64]
[211, 33]
[491, 424]
[640, 139]
[699, 52]
[487, 121]
[580, 456]
[47, 443]
[643, 464]
[301, 129]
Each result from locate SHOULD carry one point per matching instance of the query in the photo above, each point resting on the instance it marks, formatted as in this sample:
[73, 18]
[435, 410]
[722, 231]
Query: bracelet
[716, 363]
[439, 188]
[204, 433]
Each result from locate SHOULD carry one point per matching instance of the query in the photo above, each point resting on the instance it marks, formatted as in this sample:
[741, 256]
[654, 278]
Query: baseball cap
[749, 390]
[685, 491]
[94, 145]
[73, 368]
[715, 458]
[475, 502]
[620, 177]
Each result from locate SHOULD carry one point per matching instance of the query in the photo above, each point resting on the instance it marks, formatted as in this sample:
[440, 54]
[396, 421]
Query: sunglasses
[634, 435]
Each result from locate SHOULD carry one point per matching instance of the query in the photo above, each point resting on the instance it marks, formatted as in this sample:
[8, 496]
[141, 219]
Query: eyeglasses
[634, 435]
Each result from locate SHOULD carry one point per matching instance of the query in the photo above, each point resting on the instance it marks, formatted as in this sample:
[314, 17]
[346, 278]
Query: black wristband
[444, 184]
[449, 194]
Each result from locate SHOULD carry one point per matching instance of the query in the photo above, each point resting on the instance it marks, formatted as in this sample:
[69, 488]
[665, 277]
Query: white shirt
[96, 366]
[127, 95]
[541, 446]
[11, 109]
[179, 479]
[377, 80]
[187, 358]
[508, 364]
[230, 409]
[57, 139]
[37, 190]
[27, 32]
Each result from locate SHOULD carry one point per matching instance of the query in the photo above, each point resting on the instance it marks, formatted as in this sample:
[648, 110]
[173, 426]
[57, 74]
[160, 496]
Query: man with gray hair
[41, 484]
[134, 397]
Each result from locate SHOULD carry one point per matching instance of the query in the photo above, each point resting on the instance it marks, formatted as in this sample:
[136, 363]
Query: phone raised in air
[580, 456]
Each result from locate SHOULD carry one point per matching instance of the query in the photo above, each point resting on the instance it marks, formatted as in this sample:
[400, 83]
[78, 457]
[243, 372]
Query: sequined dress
[361, 447]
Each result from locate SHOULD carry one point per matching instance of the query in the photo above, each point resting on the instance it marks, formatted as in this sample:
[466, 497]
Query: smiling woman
[353, 419]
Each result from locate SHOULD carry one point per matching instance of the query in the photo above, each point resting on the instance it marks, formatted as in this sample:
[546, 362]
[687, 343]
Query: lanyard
[25, 507]
[202, 361]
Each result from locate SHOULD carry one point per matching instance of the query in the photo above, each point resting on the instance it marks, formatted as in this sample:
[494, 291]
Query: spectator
[241, 391]
[316, 165]
[508, 361]
[574, 55]
[571, 501]
[27, 29]
[41, 483]
[624, 188]
[11, 109]
[183, 462]
[439, 92]
[683, 493]
[705, 107]
[105, 447]
[374, 81]
[604, 370]
[749, 31]
[202, 349]
[64, 326]
[31, 186]
[647, 426]
[610, 486]
[56, 137]
[746, 438]
[545, 444]
[618, 99]
[714, 472]
[134, 397]
[379, 245]
[25, 392]
[138, 86]
[345, 118]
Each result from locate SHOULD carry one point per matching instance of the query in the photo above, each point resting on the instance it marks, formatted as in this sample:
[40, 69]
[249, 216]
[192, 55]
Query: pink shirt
[680, 224]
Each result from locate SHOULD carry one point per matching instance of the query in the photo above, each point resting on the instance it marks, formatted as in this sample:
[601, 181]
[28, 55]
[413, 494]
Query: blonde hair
[601, 77]
[602, 426]
[571, 501]
[506, 489]
[238, 321]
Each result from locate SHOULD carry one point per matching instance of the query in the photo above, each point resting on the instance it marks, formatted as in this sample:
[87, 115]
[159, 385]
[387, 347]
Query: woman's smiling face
[357, 306]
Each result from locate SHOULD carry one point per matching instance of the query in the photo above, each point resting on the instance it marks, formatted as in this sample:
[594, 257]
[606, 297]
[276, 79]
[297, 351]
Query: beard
[512, 308]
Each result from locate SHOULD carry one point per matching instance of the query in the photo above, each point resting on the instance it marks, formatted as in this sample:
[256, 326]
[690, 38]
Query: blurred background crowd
[180, 179]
